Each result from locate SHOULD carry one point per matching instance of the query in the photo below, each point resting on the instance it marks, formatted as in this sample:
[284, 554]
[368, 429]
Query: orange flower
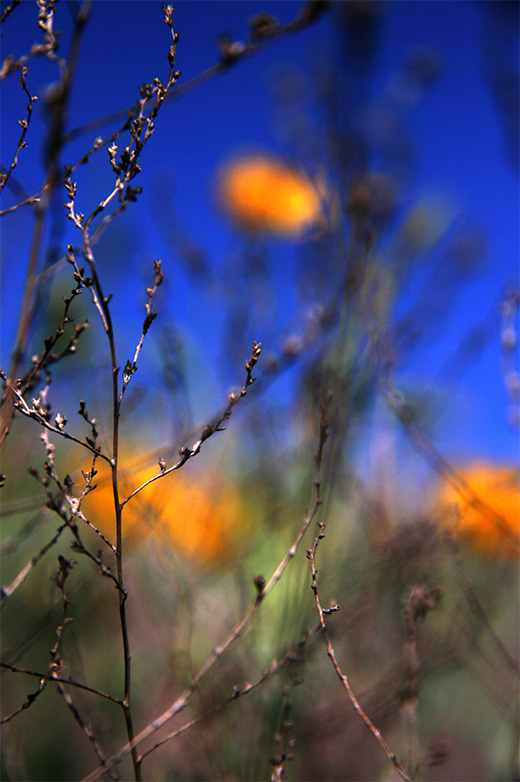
[200, 518]
[263, 194]
[494, 532]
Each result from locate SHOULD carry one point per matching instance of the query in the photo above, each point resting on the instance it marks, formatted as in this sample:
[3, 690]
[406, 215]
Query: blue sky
[460, 157]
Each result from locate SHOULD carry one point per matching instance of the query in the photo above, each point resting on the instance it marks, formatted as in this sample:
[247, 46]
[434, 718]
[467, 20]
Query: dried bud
[229, 50]
[263, 25]
[60, 421]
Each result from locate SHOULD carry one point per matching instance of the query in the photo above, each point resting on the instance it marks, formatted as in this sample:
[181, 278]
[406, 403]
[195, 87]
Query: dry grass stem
[311, 553]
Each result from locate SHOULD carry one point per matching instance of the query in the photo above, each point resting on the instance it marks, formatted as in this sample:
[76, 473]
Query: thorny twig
[91, 444]
[183, 700]
[273, 370]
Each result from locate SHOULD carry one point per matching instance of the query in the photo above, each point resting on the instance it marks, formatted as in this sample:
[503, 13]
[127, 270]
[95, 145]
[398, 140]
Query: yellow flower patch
[495, 533]
[199, 518]
[262, 194]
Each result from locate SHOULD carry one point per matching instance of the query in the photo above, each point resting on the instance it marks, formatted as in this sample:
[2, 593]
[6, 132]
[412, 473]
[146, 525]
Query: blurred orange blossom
[200, 517]
[263, 194]
[499, 488]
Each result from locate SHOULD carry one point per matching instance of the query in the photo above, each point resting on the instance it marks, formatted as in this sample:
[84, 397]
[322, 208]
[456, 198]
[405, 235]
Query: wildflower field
[260, 391]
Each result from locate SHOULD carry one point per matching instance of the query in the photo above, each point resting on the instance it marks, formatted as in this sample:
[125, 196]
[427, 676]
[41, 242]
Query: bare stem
[311, 553]
[308, 15]
[262, 590]
[186, 453]
[69, 681]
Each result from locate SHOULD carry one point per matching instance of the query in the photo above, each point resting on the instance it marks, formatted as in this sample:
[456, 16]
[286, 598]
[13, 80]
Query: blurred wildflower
[263, 194]
[201, 518]
[499, 488]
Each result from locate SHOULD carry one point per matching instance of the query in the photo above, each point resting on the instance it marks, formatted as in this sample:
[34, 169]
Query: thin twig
[419, 601]
[8, 10]
[24, 124]
[283, 740]
[85, 728]
[231, 54]
[262, 590]
[55, 663]
[47, 357]
[474, 603]
[59, 679]
[125, 169]
[151, 314]
[310, 13]
[238, 692]
[37, 414]
[53, 150]
[442, 466]
[186, 453]
[311, 553]
[24, 572]
[46, 49]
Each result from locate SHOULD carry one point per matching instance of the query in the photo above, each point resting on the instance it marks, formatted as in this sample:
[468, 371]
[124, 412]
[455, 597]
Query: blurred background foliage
[371, 272]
